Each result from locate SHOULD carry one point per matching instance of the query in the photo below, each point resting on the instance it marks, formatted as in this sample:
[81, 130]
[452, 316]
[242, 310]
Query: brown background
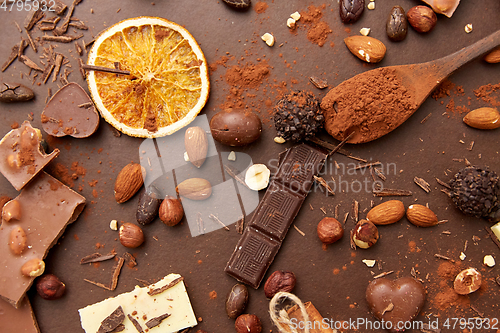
[426, 150]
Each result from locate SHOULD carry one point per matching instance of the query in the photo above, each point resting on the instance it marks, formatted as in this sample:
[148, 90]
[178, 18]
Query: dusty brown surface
[333, 278]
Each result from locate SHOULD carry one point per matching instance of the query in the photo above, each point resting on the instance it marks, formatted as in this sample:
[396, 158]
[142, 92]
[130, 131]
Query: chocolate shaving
[426, 117]
[59, 7]
[97, 284]
[31, 42]
[116, 273]
[216, 219]
[234, 174]
[135, 323]
[12, 57]
[387, 192]
[440, 182]
[131, 262]
[61, 39]
[426, 328]
[80, 67]
[493, 236]
[78, 24]
[383, 274]
[33, 17]
[423, 184]
[144, 282]
[96, 257]
[22, 46]
[323, 183]
[153, 292]
[65, 23]
[351, 241]
[481, 314]
[157, 320]
[47, 71]
[318, 83]
[59, 60]
[86, 105]
[64, 78]
[299, 231]
[497, 280]
[49, 24]
[78, 48]
[366, 165]
[240, 225]
[443, 257]
[28, 62]
[119, 328]
[18, 27]
[104, 69]
[355, 209]
[380, 174]
[112, 321]
[330, 146]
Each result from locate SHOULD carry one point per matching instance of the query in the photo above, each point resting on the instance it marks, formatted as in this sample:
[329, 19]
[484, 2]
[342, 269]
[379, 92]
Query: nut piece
[257, 177]
[365, 234]
[386, 213]
[279, 139]
[49, 287]
[421, 216]
[237, 300]
[11, 211]
[445, 7]
[268, 38]
[131, 235]
[488, 260]
[329, 230]
[33, 268]
[129, 181]
[195, 188]
[279, 281]
[422, 18]
[365, 31]
[248, 323]
[467, 281]
[113, 225]
[291, 23]
[493, 57]
[171, 211]
[483, 118]
[295, 16]
[196, 144]
[468, 28]
[18, 241]
[366, 48]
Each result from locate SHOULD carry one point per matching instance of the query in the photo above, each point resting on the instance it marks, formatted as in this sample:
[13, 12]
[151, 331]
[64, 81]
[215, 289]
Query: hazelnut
[279, 281]
[467, 281]
[33, 268]
[248, 323]
[11, 211]
[18, 241]
[329, 230]
[49, 287]
[422, 18]
[131, 235]
[171, 211]
[365, 234]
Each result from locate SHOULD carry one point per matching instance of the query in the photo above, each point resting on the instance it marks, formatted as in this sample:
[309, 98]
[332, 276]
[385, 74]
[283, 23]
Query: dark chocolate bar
[275, 213]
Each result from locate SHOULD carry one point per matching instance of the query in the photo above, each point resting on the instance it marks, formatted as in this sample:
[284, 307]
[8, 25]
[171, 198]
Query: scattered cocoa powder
[488, 93]
[317, 30]
[260, 7]
[447, 298]
[213, 294]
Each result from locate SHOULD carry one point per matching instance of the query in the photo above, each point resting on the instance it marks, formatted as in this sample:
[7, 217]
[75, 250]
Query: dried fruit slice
[168, 85]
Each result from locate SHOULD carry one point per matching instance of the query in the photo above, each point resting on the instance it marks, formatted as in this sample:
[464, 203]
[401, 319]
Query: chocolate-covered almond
[235, 127]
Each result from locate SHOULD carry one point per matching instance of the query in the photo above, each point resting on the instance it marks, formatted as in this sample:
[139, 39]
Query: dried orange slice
[168, 83]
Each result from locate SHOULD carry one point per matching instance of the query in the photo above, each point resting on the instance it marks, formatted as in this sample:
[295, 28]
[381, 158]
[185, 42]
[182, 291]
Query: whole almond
[493, 57]
[129, 181]
[366, 48]
[196, 144]
[483, 118]
[421, 216]
[195, 189]
[386, 213]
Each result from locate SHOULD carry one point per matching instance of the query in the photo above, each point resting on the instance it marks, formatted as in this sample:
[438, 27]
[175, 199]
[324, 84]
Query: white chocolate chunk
[295, 16]
[268, 38]
[174, 301]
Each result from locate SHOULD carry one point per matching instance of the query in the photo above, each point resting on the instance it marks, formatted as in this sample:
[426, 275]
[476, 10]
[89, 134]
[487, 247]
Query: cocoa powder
[317, 30]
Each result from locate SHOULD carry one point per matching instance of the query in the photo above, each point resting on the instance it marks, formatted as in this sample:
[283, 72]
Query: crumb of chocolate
[153, 292]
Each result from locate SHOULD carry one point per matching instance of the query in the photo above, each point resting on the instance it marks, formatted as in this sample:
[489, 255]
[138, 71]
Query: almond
[483, 118]
[386, 213]
[494, 56]
[196, 144]
[195, 189]
[366, 48]
[421, 216]
[129, 181]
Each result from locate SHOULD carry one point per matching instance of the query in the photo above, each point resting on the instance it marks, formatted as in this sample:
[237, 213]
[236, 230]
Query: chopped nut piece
[268, 38]
[488, 260]
[113, 225]
[365, 31]
[279, 139]
[231, 156]
[371, 5]
[468, 28]
[291, 23]
[186, 157]
[369, 262]
[462, 256]
[295, 16]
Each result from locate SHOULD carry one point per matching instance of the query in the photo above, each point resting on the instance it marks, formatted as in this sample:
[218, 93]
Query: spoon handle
[446, 65]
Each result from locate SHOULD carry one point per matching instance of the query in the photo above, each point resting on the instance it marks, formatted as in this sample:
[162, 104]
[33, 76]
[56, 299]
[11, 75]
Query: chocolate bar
[275, 213]
[43, 210]
[18, 320]
[21, 157]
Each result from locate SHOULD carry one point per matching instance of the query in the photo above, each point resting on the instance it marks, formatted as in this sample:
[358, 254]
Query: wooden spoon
[375, 102]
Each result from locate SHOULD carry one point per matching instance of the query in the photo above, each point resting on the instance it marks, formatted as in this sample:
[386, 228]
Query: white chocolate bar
[143, 307]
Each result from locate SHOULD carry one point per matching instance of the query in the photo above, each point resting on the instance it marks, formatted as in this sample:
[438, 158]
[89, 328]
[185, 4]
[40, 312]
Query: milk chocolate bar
[20, 320]
[43, 209]
[275, 213]
[21, 157]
